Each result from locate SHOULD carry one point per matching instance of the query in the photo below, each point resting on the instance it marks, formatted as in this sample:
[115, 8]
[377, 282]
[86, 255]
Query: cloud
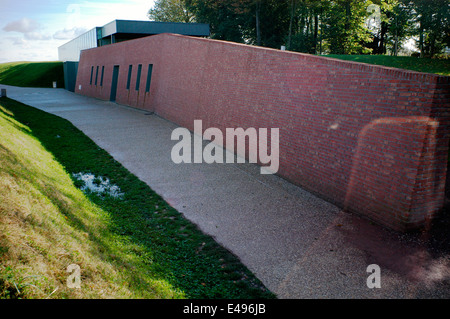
[28, 27]
[36, 36]
[16, 40]
[98, 13]
[23, 25]
[68, 34]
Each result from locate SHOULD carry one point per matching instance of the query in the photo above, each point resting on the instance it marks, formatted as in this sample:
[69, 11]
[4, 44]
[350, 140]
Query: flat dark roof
[153, 27]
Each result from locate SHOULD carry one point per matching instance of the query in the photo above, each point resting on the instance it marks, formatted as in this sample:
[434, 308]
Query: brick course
[371, 139]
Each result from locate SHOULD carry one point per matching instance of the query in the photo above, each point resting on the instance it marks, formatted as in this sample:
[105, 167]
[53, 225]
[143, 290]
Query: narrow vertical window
[138, 78]
[101, 77]
[149, 77]
[115, 78]
[92, 73]
[96, 76]
[130, 69]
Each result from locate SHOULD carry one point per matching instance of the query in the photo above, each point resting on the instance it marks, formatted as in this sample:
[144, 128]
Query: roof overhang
[152, 27]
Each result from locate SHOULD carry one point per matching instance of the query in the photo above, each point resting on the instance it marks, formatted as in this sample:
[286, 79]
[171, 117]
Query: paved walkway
[298, 245]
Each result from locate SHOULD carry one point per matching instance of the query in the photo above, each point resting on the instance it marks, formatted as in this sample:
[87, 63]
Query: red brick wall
[371, 139]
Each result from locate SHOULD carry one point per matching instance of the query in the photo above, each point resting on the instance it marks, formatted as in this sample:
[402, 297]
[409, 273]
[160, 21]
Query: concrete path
[298, 245]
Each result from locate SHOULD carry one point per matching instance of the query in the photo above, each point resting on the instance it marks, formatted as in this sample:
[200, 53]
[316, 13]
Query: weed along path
[298, 245]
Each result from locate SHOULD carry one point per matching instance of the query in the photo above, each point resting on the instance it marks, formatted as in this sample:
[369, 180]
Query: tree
[227, 18]
[316, 26]
[171, 11]
[259, 22]
[432, 25]
[292, 9]
[344, 26]
[390, 24]
[400, 27]
[305, 25]
[273, 22]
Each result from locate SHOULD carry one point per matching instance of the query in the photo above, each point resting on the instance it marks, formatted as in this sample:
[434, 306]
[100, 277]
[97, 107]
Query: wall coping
[403, 74]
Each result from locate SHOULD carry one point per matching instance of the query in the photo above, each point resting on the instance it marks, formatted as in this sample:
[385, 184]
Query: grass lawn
[129, 246]
[32, 74]
[437, 66]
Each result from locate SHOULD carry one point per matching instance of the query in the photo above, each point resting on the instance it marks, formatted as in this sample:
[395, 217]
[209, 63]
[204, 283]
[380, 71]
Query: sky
[32, 30]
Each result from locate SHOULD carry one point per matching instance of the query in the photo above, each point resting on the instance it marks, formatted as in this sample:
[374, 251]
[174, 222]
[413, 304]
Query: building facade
[119, 31]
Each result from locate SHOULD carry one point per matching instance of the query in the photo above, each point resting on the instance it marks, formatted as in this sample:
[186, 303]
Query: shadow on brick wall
[439, 233]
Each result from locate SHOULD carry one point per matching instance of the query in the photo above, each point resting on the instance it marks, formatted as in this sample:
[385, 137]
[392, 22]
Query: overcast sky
[32, 30]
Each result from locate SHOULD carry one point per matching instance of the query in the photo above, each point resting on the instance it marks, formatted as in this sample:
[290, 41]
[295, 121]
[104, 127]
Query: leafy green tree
[258, 22]
[432, 25]
[271, 22]
[400, 26]
[344, 26]
[305, 25]
[226, 17]
[390, 24]
[171, 11]
[317, 26]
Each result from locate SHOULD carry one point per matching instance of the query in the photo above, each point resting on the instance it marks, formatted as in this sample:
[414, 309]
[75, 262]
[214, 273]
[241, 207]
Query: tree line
[319, 26]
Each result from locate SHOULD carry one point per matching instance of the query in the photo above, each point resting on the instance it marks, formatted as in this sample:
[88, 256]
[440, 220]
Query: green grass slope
[436, 66]
[32, 74]
[129, 246]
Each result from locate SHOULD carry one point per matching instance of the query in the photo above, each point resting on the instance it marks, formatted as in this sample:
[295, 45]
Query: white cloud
[19, 41]
[94, 14]
[51, 23]
[28, 27]
[68, 34]
[23, 25]
[36, 36]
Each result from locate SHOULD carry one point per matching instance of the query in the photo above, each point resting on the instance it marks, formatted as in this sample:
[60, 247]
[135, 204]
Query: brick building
[118, 31]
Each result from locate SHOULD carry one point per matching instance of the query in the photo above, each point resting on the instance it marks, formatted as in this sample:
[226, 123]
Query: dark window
[138, 78]
[92, 73]
[130, 69]
[96, 76]
[115, 78]
[149, 77]
[101, 77]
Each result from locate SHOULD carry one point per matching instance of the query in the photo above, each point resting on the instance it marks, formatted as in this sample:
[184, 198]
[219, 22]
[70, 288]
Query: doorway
[115, 79]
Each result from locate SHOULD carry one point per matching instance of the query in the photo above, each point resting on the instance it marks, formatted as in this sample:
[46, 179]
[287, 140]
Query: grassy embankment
[32, 74]
[437, 66]
[130, 246]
